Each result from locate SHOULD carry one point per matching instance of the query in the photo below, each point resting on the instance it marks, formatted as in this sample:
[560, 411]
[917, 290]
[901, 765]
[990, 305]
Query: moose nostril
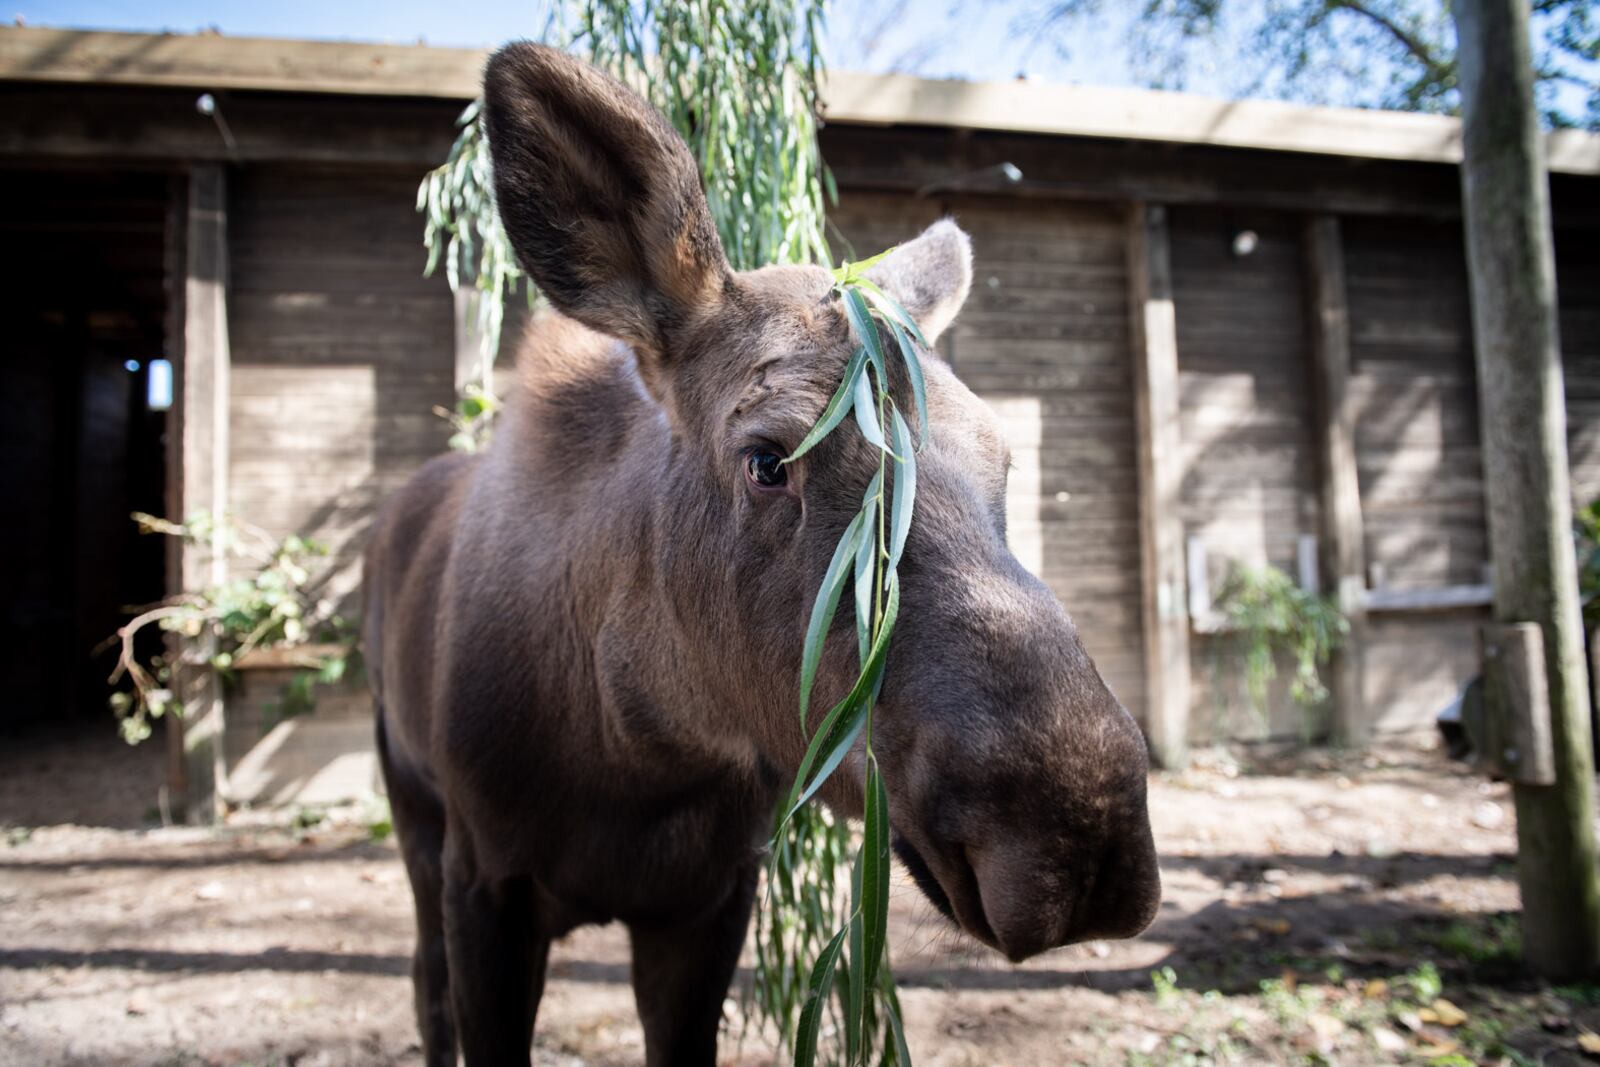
[949, 879]
[1124, 897]
[978, 923]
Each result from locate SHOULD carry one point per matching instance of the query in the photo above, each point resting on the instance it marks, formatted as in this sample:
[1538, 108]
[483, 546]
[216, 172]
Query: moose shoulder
[585, 643]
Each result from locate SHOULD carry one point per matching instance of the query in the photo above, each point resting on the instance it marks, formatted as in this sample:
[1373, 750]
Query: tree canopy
[1366, 53]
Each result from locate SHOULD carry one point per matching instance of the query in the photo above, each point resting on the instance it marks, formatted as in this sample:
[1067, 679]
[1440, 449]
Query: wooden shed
[1217, 332]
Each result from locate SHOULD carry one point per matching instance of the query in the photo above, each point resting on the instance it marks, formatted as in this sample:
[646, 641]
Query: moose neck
[588, 462]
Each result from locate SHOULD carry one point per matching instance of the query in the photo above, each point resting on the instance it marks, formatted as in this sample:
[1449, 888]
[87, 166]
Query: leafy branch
[462, 229]
[869, 553]
[274, 606]
[1364, 53]
[1268, 614]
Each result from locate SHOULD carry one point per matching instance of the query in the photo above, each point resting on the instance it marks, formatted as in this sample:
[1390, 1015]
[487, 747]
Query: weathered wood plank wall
[340, 351]
[1418, 456]
[1249, 491]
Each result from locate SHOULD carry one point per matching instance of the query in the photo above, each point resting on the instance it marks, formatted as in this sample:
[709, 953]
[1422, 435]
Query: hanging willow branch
[869, 552]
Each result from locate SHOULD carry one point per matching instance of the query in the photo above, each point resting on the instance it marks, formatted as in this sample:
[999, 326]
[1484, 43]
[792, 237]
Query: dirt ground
[1321, 910]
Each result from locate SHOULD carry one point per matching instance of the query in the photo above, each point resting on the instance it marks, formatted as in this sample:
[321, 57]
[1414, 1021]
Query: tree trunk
[1523, 407]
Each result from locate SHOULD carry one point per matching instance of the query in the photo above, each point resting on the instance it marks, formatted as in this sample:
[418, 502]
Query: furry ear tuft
[930, 276]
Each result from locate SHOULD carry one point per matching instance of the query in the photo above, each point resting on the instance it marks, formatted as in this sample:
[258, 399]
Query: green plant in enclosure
[738, 80]
[273, 606]
[463, 231]
[1268, 613]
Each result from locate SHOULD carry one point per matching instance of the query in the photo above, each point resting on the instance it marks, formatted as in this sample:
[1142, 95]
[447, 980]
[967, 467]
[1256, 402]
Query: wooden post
[204, 420]
[1344, 556]
[1164, 604]
[1523, 411]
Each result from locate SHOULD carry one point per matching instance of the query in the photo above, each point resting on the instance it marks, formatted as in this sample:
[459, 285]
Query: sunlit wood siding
[1248, 493]
[340, 351]
[1417, 446]
[1418, 455]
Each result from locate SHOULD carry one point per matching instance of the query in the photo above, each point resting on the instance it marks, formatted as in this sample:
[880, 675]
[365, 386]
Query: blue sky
[940, 38]
[973, 39]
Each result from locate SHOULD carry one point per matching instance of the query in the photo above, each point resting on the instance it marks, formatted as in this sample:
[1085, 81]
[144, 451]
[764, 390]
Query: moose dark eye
[765, 469]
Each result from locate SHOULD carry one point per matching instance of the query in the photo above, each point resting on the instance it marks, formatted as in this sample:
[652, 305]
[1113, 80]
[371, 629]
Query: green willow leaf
[866, 559]
[850, 273]
[919, 385]
[823, 609]
[905, 490]
[838, 407]
[866, 412]
[805, 1038]
[894, 312]
[843, 723]
[832, 743]
[874, 874]
[855, 998]
[891, 1008]
[866, 329]
[866, 569]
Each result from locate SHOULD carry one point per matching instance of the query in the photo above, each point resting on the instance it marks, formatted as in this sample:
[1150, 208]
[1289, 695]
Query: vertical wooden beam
[1164, 604]
[1522, 401]
[1344, 555]
[203, 393]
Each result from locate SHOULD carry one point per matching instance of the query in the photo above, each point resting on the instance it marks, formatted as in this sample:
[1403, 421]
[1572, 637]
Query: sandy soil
[1296, 906]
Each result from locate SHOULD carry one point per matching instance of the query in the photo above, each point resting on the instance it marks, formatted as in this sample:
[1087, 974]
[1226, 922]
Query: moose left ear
[929, 276]
[601, 200]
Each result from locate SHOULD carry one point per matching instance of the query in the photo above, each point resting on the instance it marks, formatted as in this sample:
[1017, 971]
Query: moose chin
[585, 641]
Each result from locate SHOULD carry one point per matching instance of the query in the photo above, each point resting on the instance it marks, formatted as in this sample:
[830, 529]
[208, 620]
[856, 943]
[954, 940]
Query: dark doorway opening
[87, 377]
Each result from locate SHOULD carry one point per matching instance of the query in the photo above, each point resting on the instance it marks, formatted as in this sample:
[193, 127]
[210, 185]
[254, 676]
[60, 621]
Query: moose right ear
[600, 198]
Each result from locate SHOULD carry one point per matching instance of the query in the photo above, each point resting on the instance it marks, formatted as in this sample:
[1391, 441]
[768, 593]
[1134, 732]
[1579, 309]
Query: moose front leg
[681, 974]
[497, 962]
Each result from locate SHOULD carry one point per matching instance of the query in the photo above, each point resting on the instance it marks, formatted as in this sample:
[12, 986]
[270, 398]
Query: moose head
[1016, 779]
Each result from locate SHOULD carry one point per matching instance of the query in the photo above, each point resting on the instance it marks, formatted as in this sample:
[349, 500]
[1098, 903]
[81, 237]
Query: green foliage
[1164, 984]
[1422, 983]
[1584, 994]
[870, 550]
[462, 229]
[378, 818]
[273, 606]
[1267, 613]
[738, 79]
[473, 415]
[1493, 939]
[1366, 53]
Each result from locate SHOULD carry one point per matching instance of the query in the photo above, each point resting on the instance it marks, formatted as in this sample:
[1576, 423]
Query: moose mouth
[966, 909]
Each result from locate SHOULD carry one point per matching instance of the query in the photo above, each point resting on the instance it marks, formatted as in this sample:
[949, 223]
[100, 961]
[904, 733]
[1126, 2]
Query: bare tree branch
[1413, 44]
